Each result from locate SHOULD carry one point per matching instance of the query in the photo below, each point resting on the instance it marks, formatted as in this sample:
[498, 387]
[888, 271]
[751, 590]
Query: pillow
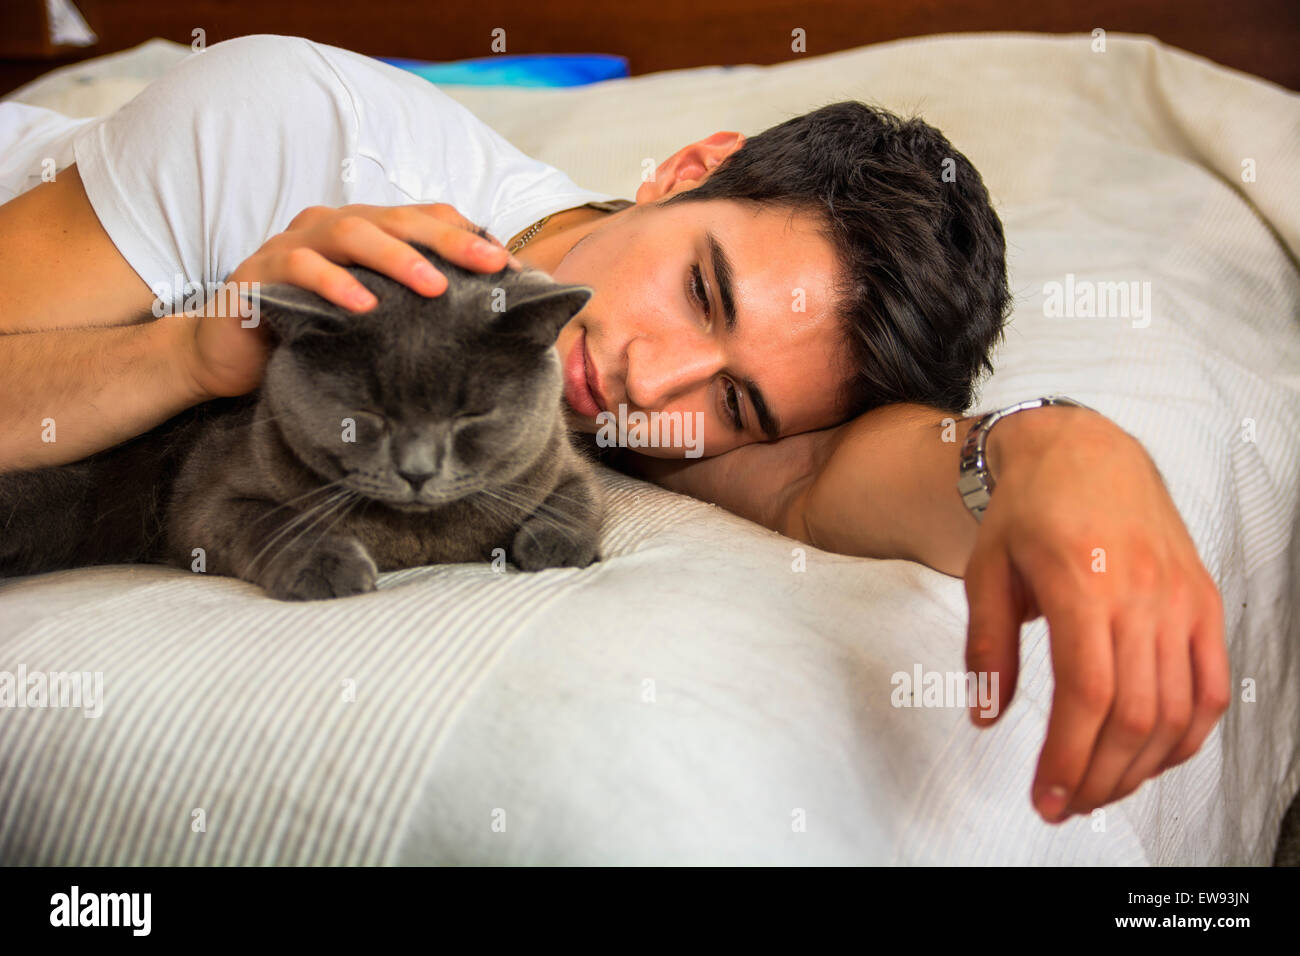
[532, 69]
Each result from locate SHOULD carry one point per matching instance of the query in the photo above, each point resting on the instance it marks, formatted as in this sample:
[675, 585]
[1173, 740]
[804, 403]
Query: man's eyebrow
[722, 269]
[767, 421]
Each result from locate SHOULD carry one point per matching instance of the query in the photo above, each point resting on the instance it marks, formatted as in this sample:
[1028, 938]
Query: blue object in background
[531, 69]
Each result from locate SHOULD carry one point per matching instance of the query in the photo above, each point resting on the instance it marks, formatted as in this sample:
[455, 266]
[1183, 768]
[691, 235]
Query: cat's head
[421, 400]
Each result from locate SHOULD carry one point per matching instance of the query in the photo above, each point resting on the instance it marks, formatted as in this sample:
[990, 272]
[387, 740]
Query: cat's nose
[416, 479]
[417, 458]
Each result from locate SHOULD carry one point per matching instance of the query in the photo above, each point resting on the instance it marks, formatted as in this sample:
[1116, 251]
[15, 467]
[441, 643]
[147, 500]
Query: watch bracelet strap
[975, 482]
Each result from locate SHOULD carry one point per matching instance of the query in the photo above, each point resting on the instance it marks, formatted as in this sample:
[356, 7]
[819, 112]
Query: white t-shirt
[223, 150]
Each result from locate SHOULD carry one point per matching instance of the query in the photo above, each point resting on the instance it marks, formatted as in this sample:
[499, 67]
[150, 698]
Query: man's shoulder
[288, 74]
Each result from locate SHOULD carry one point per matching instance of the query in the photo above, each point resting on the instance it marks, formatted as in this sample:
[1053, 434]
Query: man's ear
[290, 310]
[689, 166]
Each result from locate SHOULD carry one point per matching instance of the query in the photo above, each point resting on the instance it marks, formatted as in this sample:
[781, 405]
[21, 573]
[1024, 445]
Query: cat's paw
[334, 567]
[539, 545]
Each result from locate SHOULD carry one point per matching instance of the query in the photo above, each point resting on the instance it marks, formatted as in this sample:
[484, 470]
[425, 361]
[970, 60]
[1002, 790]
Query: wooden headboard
[1258, 36]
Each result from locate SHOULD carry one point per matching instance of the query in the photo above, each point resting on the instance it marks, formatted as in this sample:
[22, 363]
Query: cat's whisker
[321, 515]
[520, 504]
[339, 508]
[285, 528]
[307, 494]
[511, 515]
[342, 515]
[543, 506]
[496, 507]
[289, 525]
[562, 496]
[255, 421]
[492, 508]
[540, 514]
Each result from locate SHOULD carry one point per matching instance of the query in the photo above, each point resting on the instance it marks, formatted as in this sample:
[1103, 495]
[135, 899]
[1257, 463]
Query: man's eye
[698, 292]
[732, 402]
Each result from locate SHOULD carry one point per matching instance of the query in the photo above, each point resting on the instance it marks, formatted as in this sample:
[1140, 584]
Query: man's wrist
[177, 337]
[1023, 435]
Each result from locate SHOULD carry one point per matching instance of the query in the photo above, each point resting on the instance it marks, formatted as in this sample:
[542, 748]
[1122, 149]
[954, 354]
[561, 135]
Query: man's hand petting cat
[1081, 529]
[226, 358]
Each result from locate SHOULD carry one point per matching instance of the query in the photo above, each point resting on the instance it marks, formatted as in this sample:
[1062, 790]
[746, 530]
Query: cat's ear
[290, 310]
[538, 307]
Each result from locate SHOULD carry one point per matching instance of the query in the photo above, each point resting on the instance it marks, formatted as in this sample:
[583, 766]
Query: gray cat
[426, 430]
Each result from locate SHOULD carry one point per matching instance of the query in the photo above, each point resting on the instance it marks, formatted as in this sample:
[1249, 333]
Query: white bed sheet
[692, 698]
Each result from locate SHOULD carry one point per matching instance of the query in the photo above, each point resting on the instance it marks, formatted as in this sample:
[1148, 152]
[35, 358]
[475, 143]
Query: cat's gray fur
[268, 487]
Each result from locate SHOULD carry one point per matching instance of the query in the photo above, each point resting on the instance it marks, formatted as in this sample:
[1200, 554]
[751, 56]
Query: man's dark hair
[922, 280]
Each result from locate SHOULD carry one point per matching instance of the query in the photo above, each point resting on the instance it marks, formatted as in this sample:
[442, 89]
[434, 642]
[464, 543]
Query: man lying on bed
[824, 420]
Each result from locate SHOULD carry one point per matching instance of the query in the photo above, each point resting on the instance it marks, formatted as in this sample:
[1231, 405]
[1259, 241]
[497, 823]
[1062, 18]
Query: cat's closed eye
[370, 425]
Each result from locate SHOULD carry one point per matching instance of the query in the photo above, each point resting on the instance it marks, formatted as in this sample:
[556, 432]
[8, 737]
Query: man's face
[651, 345]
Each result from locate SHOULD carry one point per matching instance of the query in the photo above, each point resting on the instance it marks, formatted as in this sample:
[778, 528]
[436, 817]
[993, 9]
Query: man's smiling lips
[581, 386]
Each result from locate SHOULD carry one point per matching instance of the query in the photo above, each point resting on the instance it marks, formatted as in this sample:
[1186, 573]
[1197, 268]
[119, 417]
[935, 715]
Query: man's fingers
[378, 238]
[309, 269]
[357, 240]
[997, 608]
[1211, 680]
[1083, 663]
[444, 230]
[1133, 716]
[443, 211]
[1175, 679]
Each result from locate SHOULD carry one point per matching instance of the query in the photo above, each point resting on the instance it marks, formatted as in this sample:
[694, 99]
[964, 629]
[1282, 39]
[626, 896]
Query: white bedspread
[692, 698]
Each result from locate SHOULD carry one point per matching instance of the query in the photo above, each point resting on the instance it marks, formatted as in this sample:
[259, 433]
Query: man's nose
[661, 369]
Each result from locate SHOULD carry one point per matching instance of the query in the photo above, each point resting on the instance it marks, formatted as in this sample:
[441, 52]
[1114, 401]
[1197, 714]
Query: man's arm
[881, 486]
[71, 393]
[73, 369]
[58, 267]
[1080, 528]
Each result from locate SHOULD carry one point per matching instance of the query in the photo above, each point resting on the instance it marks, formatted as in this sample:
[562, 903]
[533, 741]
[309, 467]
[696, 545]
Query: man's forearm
[69, 393]
[887, 486]
[881, 486]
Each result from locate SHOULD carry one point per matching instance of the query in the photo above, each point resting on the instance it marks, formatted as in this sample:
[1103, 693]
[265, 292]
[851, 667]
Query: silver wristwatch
[975, 483]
